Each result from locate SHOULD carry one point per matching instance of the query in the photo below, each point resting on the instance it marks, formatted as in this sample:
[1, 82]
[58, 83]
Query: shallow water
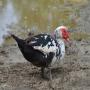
[38, 15]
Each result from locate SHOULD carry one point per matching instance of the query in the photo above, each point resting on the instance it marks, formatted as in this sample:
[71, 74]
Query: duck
[44, 50]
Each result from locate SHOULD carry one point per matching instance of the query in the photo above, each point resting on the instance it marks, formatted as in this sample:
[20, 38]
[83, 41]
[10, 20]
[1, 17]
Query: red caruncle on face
[65, 34]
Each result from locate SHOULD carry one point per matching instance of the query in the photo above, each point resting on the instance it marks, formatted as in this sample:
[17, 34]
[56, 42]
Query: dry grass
[80, 36]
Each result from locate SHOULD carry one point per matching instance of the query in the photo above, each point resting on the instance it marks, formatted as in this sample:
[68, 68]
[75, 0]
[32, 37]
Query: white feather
[45, 49]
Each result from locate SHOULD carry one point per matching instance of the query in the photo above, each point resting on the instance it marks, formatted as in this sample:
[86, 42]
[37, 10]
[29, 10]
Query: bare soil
[72, 73]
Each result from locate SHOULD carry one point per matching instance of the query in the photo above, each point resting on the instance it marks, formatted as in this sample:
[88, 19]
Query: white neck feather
[62, 46]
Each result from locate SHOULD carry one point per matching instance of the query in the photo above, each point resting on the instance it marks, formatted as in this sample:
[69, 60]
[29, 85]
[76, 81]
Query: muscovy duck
[43, 50]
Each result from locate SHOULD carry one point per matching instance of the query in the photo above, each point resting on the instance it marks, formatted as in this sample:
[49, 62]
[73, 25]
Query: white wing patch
[36, 38]
[49, 43]
[45, 37]
[33, 42]
[46, 49]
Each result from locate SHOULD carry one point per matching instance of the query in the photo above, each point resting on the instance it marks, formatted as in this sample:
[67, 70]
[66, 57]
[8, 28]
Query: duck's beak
[68, 41]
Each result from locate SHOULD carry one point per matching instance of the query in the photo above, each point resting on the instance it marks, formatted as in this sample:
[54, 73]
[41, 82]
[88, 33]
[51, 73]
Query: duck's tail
[19, 41]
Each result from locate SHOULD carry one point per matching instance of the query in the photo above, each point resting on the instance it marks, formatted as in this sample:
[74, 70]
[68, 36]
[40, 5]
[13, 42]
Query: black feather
[36, 57]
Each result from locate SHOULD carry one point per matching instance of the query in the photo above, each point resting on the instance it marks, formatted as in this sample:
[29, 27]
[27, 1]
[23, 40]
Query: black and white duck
[43, 50]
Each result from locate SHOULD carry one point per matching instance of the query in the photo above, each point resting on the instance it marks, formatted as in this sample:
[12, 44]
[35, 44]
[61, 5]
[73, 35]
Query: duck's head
[62, 32]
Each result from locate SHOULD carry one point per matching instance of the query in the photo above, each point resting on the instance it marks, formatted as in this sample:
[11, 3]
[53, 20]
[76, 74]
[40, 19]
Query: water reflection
[7, 17]
[38, 15]
[47, 15]
[41, 14]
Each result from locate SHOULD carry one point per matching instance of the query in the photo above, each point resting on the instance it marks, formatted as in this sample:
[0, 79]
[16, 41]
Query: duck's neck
[62, 47]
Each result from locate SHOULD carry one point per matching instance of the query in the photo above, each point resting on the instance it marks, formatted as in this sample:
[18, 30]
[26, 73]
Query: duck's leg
[43, 74]
[50, 74]
[50, 79]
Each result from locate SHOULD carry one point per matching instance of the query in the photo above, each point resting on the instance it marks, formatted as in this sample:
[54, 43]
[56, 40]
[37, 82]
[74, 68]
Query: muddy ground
[72, 73]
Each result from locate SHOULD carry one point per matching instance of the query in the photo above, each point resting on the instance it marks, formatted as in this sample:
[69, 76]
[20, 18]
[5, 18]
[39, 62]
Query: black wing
[43, 42]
